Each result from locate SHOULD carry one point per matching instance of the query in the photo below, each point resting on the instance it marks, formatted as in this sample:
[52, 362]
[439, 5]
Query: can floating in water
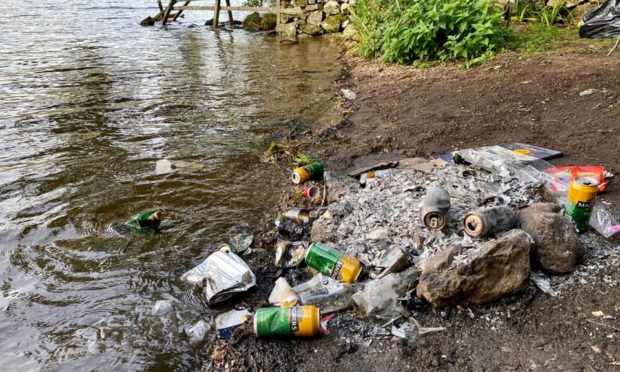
[580, 200]
[331, 262]
[300, 321]
[146, 220]
[312, 171]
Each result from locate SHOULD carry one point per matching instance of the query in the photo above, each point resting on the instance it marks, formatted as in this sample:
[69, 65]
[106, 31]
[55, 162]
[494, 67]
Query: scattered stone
[148, 21]
[350, 32]
[348, 94]
[557, 247]
[499, 267]
[587, 92]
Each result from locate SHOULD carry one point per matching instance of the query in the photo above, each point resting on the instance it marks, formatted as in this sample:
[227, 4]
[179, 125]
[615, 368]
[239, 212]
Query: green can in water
[146, 220]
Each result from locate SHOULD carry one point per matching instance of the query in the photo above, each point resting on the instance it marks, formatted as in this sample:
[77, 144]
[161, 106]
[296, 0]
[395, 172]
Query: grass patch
[537, 38]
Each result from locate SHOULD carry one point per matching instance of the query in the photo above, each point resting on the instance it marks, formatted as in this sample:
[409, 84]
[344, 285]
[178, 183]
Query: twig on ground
[614, 48]
[603, 325]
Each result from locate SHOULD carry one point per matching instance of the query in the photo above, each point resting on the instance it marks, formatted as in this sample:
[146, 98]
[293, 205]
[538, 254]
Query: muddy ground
[402, 111]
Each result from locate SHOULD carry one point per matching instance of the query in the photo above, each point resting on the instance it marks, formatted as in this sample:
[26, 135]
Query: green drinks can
[303, 321]
[332, 262]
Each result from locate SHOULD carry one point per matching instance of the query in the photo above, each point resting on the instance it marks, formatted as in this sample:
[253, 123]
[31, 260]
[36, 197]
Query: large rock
[252, 22]
[269, 22]
[497, 268]
[557, 247]
[288, 30]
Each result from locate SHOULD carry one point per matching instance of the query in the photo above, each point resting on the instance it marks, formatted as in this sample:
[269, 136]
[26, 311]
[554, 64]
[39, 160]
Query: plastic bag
[505, 163]
[604, 221]
[222, 274]
[603, 21]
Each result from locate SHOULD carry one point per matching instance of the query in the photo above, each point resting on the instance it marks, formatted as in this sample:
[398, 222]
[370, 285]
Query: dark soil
[402, 111]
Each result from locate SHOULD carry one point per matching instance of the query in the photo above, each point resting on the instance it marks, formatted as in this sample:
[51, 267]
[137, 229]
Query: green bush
[404, 31]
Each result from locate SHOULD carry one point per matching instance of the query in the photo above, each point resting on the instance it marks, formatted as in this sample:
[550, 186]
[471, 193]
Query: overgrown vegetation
[472, 31]
[278, 151]
[405, 31]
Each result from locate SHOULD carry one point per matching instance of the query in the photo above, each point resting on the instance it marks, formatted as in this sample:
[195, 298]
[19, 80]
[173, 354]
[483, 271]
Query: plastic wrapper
[603, 21]
[558, 179]
[325, 293]
[604, 221]
[506, 163]
[198, 332]
[226, 323]
[222, 275]
[282, 294]
[379, 298]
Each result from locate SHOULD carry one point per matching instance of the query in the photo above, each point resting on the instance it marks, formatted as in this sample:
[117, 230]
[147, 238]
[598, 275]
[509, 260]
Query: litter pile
[468, 228]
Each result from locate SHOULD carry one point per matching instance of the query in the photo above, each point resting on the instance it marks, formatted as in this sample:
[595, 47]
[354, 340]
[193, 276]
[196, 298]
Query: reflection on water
[89, 102]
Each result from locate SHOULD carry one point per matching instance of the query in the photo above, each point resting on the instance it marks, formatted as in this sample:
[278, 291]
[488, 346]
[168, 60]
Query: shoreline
[415, 106]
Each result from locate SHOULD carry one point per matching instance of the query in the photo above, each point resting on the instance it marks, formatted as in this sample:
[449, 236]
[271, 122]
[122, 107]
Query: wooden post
[230, 15]
[216, 16]
[161, 8]
[181, 11]
[168, 10]
[278, 14]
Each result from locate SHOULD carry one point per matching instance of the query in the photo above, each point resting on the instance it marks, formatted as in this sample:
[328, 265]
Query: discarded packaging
[580, 200]
[333, 263]
[359, 171]
[379, 298]
[149, 220]
[298, 215]
[222, 275]
[198, 332]
[505, 163]
[558, 179]
[541, 280]
[326, 293]
[436, 208]
[282, 294]
[313, 171]
[603, 21]
[395, 260]
[161, 307]
[364, 178]
[240, 243]
[483, 222]
[603, 220]
[300, 321]
[227, 322]
[289, 254]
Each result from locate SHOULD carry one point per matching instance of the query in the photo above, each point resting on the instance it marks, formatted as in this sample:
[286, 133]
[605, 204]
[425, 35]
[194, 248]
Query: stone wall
[314, 17]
